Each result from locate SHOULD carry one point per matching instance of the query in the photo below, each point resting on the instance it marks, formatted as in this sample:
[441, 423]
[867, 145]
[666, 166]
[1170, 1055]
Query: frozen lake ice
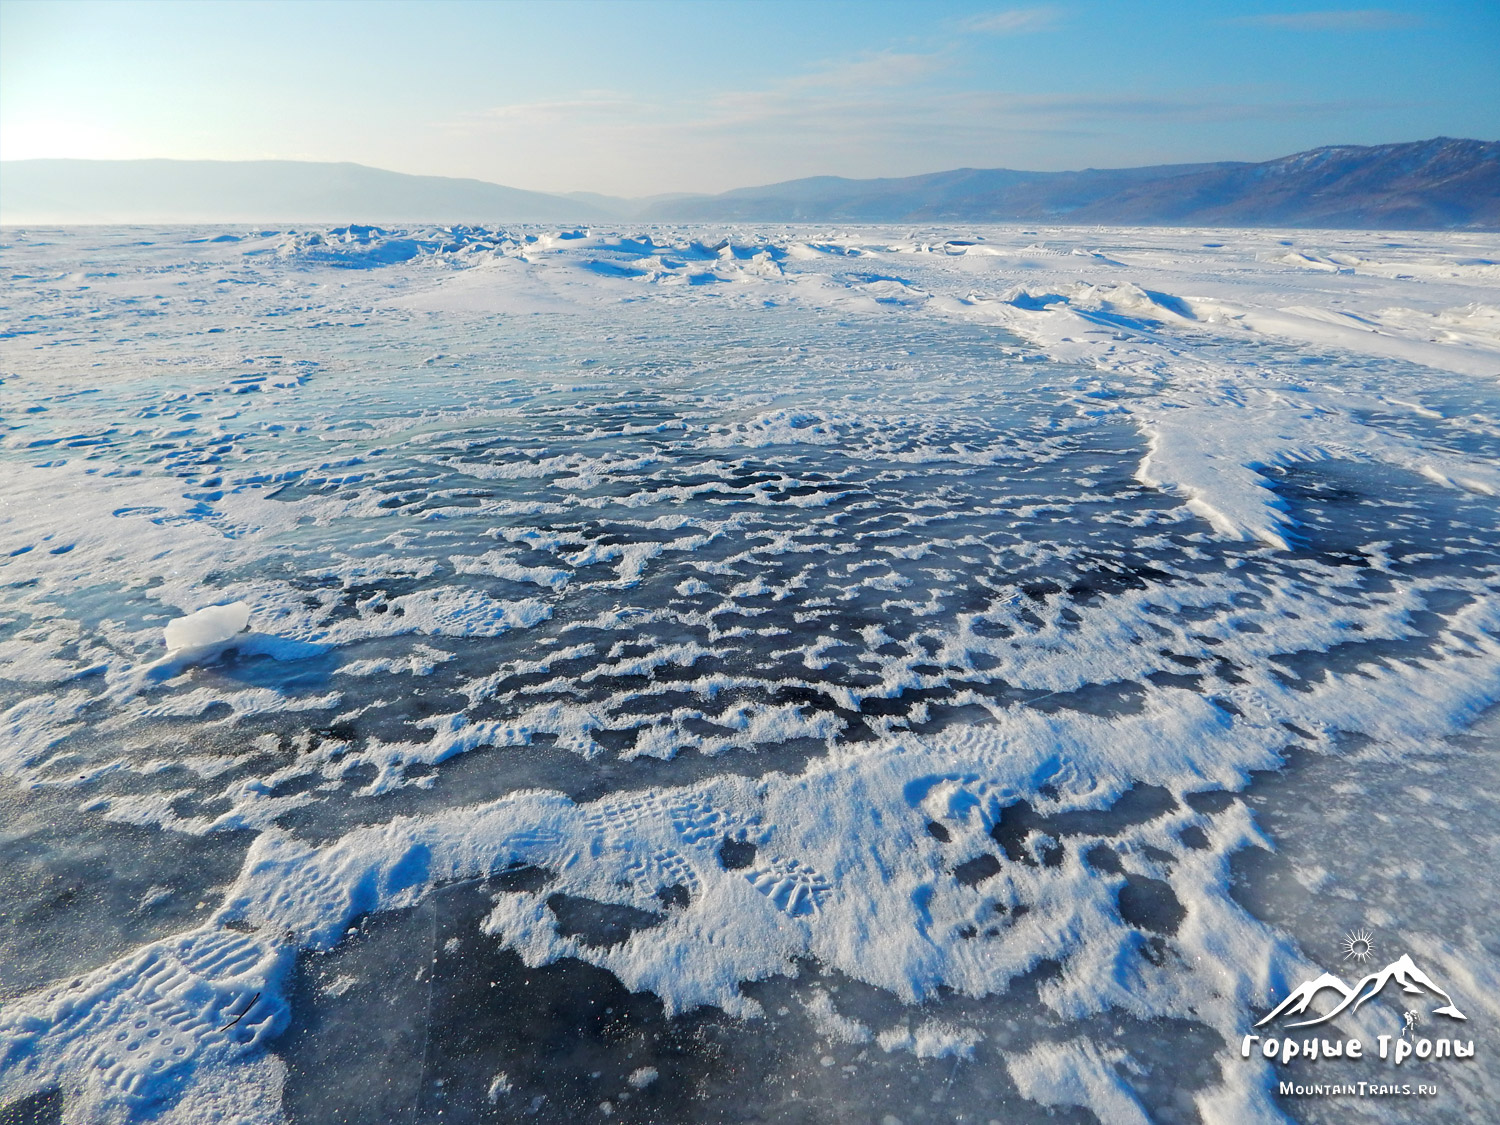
[738, 674]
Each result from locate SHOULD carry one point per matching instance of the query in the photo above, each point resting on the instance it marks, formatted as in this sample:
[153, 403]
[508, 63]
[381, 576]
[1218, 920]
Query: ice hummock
[212, 625]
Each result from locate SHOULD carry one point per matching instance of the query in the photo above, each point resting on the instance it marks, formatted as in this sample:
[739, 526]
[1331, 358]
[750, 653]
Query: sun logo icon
[1358, 945]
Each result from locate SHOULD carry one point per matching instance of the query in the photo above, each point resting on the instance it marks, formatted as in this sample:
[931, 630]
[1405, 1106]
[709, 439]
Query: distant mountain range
[1422, 185]
[1437, 184]
[262, 191]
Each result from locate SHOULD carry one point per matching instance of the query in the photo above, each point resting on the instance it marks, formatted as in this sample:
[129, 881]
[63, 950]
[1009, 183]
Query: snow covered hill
[260, 191]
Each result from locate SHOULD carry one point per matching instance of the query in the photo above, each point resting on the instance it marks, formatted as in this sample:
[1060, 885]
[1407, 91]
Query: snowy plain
[743, 674]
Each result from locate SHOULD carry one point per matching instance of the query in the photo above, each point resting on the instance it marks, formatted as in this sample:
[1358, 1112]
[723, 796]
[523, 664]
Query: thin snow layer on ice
[169, 1017]
[1077, 1073]
[734, 600]
[933, 1039]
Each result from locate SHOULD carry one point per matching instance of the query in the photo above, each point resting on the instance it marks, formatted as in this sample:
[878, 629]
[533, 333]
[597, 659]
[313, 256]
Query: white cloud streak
[1015, 21]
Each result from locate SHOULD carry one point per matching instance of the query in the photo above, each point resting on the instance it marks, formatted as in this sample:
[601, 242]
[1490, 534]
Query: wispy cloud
[883, 69]
[1343, 19]
[1015, 21]
[568, 109]
[867, 79]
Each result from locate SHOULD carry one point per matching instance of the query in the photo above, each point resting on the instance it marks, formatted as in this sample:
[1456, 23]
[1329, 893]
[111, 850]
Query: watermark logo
[1402, 971]
[1418, 997]
[1359, 945]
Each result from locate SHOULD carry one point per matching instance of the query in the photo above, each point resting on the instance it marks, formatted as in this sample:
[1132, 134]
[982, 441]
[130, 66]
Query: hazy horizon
[638, 99]
[1433, 184]
[585, 192]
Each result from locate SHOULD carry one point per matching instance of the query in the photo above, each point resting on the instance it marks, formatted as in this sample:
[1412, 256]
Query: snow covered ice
[736, 674]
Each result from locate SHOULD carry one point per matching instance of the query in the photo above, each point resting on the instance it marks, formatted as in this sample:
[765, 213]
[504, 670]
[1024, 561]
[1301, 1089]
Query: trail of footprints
[716, 839]
[135, 1029]
[636, 832]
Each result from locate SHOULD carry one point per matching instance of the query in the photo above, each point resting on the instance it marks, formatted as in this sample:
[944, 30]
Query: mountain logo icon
[1402, 971]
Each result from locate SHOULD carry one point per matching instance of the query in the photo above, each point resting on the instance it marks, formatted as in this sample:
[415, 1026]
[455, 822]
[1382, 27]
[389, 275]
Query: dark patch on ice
[1155, 949]
[1039, 591]
[1159, 855]
[333, 732]
[1107, 578]
[1102, 857]
[520, 877]
[42, 1108]
[1345, 558]
[1017, 822]
[676, 896]
[1050, 852]
[599, 924]
[1123, 697]
[1212, 802]
[1194, 837]
[938, 832]
[1150, 904]
[1226, 705]
[1176, 680]
[736, 854]
[972, 872]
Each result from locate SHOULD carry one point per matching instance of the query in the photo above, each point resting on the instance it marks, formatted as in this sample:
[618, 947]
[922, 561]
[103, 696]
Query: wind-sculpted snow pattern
[823, 673]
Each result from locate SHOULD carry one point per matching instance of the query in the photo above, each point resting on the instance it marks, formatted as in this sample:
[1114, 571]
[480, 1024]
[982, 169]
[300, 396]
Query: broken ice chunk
[212, 625]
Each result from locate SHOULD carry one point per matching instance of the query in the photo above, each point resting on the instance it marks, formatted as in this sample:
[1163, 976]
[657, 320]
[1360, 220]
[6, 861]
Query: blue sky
[636, 98]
